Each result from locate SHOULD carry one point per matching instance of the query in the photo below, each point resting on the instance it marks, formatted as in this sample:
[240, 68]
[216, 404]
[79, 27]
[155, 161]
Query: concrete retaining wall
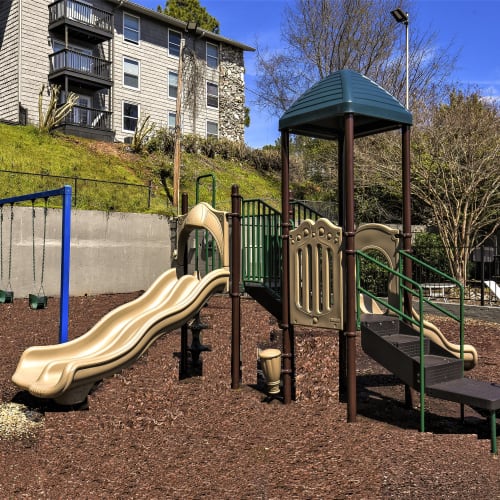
[110, 252]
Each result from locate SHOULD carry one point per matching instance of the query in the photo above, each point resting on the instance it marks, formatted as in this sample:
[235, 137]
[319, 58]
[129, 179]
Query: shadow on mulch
[376, 405]
[46, 405]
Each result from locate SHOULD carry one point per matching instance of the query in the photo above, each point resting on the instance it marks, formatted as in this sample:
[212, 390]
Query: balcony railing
[81, 116]
[82, 13]
[67, 59]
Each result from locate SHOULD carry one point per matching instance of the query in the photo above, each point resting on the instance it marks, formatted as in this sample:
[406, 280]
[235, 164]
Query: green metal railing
[261, 240]
[459, 318]
[207, 255]
[261, 244]
[300, 211]
[416, 290]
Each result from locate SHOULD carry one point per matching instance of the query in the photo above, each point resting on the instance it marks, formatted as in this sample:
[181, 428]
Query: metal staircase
[397, 347]
[419, 362]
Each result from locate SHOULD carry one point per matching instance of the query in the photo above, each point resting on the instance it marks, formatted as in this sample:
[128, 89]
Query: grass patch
[108, 177]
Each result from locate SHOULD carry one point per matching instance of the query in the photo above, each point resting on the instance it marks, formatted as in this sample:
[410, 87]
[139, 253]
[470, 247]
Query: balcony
[77, 66]
[82, 19]
[88, 122]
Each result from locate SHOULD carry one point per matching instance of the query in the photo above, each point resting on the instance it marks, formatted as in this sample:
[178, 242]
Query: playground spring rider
[38, 300]
[7, 295]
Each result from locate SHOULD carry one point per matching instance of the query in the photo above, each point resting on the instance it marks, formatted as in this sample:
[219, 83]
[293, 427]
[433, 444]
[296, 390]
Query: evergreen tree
[190, 10]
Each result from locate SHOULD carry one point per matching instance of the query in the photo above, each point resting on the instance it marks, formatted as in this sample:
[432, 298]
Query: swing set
[38, 299]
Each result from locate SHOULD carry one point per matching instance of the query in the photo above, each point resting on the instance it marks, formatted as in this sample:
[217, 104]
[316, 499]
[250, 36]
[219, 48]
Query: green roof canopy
[319, 112]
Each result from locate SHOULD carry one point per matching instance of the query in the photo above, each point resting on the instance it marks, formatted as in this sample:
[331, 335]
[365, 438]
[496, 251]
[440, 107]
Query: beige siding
[35, 50]
[154, 64]
[9, 39]
[26, 52]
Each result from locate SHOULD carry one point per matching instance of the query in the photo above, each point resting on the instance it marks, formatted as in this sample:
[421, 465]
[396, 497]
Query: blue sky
[471, 25]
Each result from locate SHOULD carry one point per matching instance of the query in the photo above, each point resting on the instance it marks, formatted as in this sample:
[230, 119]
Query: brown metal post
[410, 397]
[235, 288]
[183, 369]
[285, 284]
[350, 259]
[405, 164]
[341, 222]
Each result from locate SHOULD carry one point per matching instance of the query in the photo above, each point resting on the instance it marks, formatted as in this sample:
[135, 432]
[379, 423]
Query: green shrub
[372, 277]
[429, 248]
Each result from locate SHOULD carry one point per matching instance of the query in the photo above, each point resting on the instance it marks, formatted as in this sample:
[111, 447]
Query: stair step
[440, 369]
[475, 393]
[409, 344]
[397, 347]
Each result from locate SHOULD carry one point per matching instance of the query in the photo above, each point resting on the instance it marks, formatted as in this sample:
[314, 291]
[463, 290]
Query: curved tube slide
[67, 372]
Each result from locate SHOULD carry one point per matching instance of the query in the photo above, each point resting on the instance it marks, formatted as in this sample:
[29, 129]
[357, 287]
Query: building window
[130, 116]
[174, 43]
[130, 73]
[212, 95]
[131, 27]
[171, 120]
[172, 85]
[212, 56]
[212, 129]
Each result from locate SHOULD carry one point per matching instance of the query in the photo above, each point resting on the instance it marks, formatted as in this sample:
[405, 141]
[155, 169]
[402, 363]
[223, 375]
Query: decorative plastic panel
[316, 292]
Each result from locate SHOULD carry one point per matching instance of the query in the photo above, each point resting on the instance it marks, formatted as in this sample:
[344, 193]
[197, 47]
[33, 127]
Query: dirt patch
[148, 435]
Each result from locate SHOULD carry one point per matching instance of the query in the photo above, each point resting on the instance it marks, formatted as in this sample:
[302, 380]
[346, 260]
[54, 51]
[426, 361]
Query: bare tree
[322, 36]
[455, 172]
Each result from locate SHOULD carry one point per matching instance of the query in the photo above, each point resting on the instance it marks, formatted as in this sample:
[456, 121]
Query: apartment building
[125, 63]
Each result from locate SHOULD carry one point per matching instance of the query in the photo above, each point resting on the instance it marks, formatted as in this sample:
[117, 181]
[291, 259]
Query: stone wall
[232, 94]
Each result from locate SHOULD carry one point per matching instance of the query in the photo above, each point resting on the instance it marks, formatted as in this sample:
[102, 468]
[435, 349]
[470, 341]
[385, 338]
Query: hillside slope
[107, 176]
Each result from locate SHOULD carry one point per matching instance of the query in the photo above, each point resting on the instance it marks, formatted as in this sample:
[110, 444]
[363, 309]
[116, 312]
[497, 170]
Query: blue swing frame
[65, 192]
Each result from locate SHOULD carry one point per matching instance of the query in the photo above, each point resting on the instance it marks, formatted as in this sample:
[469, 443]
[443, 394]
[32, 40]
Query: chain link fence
[88, 194]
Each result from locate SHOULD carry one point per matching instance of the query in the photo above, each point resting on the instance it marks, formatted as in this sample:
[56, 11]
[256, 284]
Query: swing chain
[33, 240]
[45, 211]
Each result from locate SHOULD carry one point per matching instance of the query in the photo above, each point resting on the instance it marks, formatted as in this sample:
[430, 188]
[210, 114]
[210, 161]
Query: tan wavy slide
[67, 372]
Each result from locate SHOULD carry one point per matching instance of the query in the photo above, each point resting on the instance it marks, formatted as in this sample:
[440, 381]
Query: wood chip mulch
[147, 435]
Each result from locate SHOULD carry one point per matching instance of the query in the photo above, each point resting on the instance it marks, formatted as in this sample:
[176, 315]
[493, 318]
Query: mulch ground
[148, 435]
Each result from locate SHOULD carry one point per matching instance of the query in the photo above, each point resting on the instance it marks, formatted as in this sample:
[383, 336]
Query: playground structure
[303, 268]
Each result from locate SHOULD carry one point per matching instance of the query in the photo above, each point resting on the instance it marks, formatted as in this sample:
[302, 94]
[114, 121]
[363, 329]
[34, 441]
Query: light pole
[402, 17]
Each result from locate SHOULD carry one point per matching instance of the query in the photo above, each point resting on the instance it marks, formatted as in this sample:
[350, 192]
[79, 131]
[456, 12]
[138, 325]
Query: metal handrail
[82, 116]
[261, 239]
[82, 13]
[68, 59]
[446, 312]
[416, 290]
[302, 211]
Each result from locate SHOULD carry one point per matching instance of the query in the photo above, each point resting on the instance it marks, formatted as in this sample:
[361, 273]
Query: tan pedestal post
[270, 362]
